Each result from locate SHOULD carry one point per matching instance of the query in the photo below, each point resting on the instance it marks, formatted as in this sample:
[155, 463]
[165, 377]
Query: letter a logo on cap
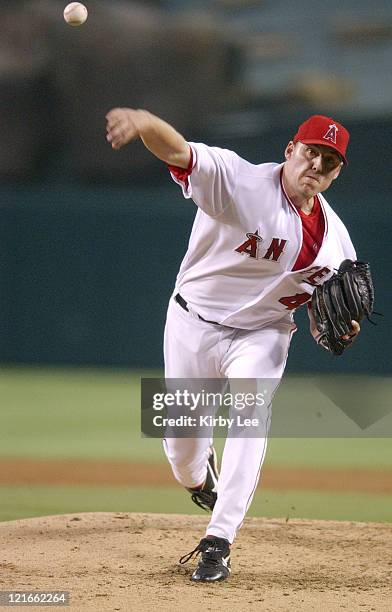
[331, 133]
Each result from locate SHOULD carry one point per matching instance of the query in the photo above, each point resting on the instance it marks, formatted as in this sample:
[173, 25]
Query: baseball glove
[348, 295]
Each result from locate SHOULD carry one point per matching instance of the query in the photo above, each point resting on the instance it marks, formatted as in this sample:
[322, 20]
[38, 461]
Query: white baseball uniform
[239, 272]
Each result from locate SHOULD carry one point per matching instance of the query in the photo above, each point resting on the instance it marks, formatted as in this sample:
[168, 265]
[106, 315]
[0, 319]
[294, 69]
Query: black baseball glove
[348, 295]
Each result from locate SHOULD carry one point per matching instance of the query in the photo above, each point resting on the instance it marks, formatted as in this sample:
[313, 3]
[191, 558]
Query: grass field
[21, 502]
[95, 414]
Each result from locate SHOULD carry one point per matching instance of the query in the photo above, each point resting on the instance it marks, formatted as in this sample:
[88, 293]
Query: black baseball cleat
[214, 565]
[205, 497]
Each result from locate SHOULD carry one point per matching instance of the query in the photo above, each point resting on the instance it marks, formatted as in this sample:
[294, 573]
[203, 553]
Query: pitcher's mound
[130, 562]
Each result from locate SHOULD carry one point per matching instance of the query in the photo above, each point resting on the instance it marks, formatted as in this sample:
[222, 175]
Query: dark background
[91, 239]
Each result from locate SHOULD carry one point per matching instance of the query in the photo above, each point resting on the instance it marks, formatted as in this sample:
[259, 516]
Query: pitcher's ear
[289, 150]
[337, 171]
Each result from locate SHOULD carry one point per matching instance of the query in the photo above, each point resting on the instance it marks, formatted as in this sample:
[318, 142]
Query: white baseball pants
[195, 349]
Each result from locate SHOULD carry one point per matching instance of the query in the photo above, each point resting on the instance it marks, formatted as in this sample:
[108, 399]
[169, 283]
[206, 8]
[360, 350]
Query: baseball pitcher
[264, 239]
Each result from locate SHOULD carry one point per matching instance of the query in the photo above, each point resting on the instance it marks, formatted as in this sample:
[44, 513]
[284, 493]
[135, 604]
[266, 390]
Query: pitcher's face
[310, 168]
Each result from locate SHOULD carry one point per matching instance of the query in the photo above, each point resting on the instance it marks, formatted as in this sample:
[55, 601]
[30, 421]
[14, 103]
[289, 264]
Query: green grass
[83, 413]
[22, 502]
[367, 453]
[95, 413]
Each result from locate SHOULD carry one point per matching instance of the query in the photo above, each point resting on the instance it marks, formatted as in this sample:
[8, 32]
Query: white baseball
[75, 13]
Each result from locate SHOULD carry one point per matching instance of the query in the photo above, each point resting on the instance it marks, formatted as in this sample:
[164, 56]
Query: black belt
[180, 300]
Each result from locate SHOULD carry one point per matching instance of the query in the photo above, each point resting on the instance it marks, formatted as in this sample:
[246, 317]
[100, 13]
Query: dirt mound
[130, 562]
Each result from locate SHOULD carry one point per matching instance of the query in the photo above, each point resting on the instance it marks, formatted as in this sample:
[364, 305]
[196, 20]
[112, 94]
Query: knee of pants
[186, 451]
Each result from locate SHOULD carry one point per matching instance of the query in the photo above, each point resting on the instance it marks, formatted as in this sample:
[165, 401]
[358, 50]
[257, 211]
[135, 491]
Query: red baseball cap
[326, 131]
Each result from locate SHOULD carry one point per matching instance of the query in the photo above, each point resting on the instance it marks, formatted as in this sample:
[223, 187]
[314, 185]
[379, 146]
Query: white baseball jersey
[245, 240]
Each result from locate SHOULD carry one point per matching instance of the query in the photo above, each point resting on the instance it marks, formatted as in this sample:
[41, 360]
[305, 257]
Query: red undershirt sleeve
[182, 174]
